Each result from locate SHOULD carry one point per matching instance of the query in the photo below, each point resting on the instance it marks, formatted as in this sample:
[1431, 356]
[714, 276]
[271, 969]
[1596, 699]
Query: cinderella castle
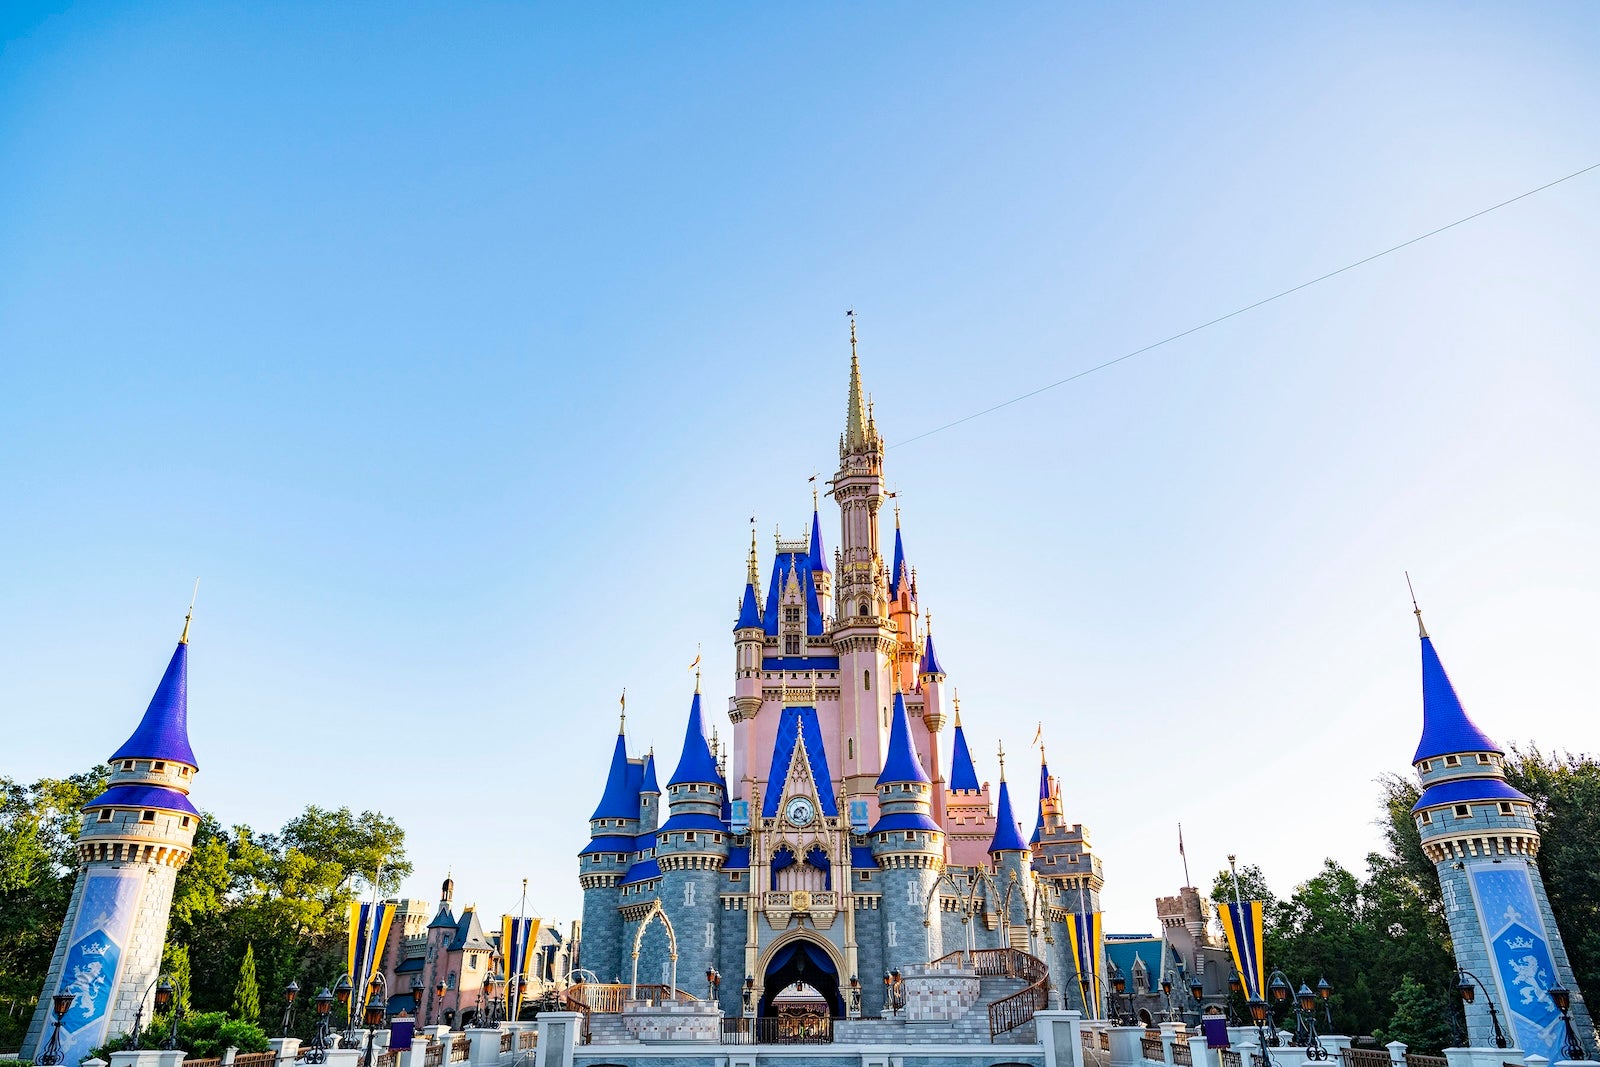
[828, 844]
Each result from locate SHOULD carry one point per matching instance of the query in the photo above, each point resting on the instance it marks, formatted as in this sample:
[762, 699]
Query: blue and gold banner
[100, 934]
[1519, 953]
[517, 938]
[1088, 949]
[1247, 943]
[369, 932]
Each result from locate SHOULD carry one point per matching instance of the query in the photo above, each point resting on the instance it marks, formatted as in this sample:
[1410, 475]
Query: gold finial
[183, 638]
[1422, 631]
[851, 315]
[695, 666]
[753, 571]
[1002, 761]
[957, 694]
[896, 510]
[622, 718]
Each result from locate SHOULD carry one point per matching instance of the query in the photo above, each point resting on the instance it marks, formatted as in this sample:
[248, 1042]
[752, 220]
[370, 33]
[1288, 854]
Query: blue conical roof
[621, 799]
[749, 610]
[696, 765]
[1044, 794]
[1007, 837]
[163, 733]
[901, 764]
[818, 557]
[899, 563]
[649, 784]
[930, 658]
[963, 775]
[1445, 725]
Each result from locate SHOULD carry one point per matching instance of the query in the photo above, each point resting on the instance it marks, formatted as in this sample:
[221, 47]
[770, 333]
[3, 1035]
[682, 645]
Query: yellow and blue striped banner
[1247, 943]
[517, 939]
[369, 932]
[1088, 949]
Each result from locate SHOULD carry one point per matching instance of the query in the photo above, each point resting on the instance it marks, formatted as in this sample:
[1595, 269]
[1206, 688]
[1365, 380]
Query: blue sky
[453, 346]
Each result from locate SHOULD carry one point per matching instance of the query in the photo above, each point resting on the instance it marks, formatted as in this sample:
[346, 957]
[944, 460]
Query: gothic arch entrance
[805, 963]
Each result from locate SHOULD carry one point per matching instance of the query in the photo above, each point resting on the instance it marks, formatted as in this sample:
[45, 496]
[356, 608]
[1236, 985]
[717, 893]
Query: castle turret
[1480, 833]
[909, 846]
[748, 634]
[930, 679]
[608, 856]
[1010, 855]
[135, 837]
[817, 558]
[969, 816]
[649, 796]
[691, 847]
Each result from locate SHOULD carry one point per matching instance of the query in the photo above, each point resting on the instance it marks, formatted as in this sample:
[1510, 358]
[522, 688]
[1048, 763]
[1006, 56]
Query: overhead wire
[1246, 308]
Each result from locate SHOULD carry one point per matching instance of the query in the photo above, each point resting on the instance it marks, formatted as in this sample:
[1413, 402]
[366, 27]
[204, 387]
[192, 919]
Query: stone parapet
[674, 1021]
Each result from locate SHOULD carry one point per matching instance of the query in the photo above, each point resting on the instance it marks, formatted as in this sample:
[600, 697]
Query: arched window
[862, 610]
[850, 748]
[866, 680]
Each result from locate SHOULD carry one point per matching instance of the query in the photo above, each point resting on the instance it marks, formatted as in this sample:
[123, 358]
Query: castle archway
[795, 965]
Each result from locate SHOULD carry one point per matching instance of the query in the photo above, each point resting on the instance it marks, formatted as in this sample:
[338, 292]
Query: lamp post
[163, 988]
[749, 993]
[1235, 989]
[1123, 1009]
[1305, 1013]
[1573, 1048]
[713, 981]
[175, 998]
[486, 1018]
[61, 1003]
[376, 1008]
[1196, 989]
[1468, 986]
[855, 997]
[320, 1038]
[894, 992]
[1325, 991]
[290, 991]
[341, 993]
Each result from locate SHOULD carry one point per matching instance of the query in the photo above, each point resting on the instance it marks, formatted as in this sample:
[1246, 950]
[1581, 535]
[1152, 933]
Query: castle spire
[818, 556]
[753, 567]
[619, 801]
[696, 765]
[901, 764]
[963, 775]
[930, 658]
[1007, 836]
[856, 435]
[1446, 727]
[899, 573]
[1044, 795]
[163, 733]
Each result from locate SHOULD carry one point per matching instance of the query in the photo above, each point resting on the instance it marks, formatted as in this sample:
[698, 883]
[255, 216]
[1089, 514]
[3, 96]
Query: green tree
[246, 995]
[175, 968]
[1421, 1018]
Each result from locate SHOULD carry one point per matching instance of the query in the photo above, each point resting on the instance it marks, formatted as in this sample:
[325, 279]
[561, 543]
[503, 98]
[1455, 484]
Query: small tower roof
[901, 764]
[749, 610]
[930, 658]
[163, 733]
[857, 431]
[818, 555]
[899, 568]
[621, 798]
[697, 765]
[1007, 836]
[963, 775]
[1044, 794]
[649, 784]
[1445, 725]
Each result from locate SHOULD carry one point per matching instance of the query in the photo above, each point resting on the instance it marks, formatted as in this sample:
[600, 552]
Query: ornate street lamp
[61, 1003]
[290, 991]
[320, 1038]
[713, 980]
[1123, 1008]
[1573, 1049]
[163, 1001]
[174, 996]
[749, 992]
[1468, 987]
[341, 993]
[855, 996]
[491, 982]
[894, 994]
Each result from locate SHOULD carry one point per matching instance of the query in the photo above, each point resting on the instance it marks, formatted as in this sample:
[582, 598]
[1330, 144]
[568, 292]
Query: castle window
[791, 614]
[850, 748]
[791, 644]
[910, 836]
[866, 680]
[127, 764]
[159, 765]
[862, 610]
[689, 836]
[105, 814]
[186, 822]
[1463, 811]
[1505, 807]
[1427, 765]
[148, 816]
[735, 876]
[1452, 761]
[866, 876]
[183, 772]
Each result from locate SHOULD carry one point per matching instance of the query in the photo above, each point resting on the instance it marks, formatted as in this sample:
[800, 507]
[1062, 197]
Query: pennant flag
[369, 932]
[1088, 948]
[517, 940]
[1247, 944]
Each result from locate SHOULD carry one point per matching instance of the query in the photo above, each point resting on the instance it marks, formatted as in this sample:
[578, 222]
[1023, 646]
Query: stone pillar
[148, 1057]
[285, 1048]
[1125, 1049]
[1061, 1034]
[485, 1047]
[419, 1051]
[1397, 1052]
[228, 1055]
[558, 1038]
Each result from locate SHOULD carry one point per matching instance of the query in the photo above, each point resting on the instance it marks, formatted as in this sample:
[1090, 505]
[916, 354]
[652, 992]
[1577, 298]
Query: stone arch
[655, 912]
[788, 937]
[945, 877]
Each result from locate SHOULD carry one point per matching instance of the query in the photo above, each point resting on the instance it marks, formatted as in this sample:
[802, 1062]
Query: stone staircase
[971, 1028]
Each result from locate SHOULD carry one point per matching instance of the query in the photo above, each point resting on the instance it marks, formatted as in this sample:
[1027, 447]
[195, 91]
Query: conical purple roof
[163, 733]
[1446, 728]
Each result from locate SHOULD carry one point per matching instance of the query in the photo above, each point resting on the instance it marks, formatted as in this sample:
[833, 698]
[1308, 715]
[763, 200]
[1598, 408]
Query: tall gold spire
[753, 573]
[855, 416]
[957, 695]
[1422, 631]
[1002, 748]
[183, 638]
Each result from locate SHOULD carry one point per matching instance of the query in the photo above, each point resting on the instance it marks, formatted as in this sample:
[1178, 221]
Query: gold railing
[1007, 1013]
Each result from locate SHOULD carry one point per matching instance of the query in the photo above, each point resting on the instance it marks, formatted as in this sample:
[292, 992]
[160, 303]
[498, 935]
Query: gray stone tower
[1480, 833]
[691, 847]
[135, 836]
[605, 859]
[1070, 875]
[909, 846]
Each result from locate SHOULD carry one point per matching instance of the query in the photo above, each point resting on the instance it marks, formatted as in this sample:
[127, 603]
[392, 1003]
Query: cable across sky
[1248, 307]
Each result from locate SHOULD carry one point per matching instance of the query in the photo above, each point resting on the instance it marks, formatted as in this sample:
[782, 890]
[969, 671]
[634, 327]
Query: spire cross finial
[183, 638]
[1422, 631]
[1002, 747]
[956, 693]
[695, 666]
[622, 719]
[851, 315]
